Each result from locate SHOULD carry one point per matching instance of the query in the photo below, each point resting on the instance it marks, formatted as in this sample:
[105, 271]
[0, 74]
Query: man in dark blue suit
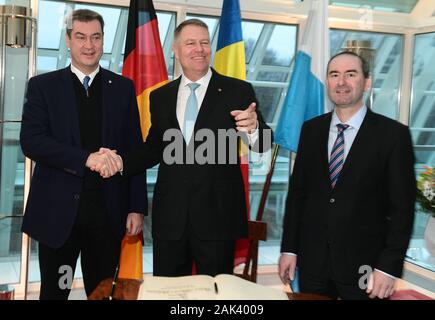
[69, 114]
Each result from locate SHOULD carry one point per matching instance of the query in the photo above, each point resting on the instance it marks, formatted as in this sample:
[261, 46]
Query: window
[422, 125]
[53, 53]
[12, 166]
[389, 6]
[386, 69]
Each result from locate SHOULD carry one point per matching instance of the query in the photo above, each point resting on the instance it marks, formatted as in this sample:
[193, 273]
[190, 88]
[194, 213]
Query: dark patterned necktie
[337, 155]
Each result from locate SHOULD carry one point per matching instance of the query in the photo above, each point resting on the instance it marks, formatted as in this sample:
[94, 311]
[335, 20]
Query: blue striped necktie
[86, 85]
[336, 160]
[191, 112]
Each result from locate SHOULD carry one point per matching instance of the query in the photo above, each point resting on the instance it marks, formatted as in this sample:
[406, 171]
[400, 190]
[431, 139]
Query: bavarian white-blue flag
[306, 93]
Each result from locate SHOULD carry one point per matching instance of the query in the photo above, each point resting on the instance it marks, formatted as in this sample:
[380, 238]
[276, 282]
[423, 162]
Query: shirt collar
[81, 75]
[203, 82]
[354, 122]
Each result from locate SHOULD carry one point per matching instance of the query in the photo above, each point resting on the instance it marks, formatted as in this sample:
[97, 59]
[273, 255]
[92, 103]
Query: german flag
[144, 63]
[230, 61]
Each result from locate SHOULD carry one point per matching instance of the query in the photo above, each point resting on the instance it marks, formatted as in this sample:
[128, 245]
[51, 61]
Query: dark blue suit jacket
[50, 136]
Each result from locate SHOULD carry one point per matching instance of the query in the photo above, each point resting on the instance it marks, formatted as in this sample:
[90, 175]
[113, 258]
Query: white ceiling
[423, 15]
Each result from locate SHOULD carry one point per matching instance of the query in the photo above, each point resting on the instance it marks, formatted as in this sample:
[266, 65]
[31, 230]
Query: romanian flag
[230, 61]
[144, 63]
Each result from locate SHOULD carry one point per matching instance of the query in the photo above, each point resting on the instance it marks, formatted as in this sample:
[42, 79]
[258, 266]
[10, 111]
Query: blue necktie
[86, 85]
[191, 112]
[336, 160]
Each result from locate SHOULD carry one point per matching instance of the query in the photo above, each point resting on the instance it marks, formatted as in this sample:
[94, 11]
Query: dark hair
[82, 15]
[364, 65]
[189, 22]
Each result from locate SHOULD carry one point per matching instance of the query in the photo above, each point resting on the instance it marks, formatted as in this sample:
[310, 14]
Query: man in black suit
[69, 114]
[199, 207]
[350, 205]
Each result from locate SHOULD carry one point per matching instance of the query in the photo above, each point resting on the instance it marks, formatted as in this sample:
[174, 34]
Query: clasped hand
[105, 161]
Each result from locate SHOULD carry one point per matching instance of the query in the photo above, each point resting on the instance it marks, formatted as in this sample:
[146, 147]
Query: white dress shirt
[82, 76]
[184, 93]
[350, 133]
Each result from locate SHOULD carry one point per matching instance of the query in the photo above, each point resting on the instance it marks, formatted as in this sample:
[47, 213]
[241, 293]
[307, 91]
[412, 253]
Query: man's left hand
[246, 120]
[134, 223]
[380, 285]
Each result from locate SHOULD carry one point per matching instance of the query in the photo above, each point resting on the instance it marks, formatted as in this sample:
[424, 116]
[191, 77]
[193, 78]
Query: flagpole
[267, 184]
[261, 207]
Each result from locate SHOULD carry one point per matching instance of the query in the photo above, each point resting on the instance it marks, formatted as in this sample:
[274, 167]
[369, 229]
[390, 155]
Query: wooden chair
[257, 230]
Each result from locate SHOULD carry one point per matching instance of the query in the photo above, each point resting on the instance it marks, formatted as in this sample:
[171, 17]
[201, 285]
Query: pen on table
[115, 279]
[216, 288]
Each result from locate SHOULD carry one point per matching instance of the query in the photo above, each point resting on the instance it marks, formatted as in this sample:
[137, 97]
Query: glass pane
[387, 67]
[11, 202]
[211, 22]
[281, 47]
[272, 76]
[104, 63]
[268, 98]
[111, 17]
[11, 164]
[23, 3]
[391, 6]
[163, 19]
[46, 64]
[251, 33]
[50, 24]
[422, 123]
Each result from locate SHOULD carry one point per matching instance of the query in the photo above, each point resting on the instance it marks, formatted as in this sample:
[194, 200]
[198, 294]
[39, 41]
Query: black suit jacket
[50, 136]
[367, 218]
[210, 196]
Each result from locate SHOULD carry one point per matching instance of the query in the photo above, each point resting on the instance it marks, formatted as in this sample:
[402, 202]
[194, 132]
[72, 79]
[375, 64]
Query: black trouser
[93, 239]
[327, 286]
[173, 258]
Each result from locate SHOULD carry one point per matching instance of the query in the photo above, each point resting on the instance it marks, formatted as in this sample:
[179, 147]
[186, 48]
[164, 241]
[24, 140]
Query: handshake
[106, 162]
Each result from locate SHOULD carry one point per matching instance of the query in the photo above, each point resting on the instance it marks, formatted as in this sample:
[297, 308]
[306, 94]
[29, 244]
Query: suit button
[76, 197]
[332, 200]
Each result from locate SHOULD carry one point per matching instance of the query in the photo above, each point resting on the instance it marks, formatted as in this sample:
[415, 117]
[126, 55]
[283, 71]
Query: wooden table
[127, 289]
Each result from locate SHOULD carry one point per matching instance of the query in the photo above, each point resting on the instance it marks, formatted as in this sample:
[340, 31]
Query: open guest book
[202, 287]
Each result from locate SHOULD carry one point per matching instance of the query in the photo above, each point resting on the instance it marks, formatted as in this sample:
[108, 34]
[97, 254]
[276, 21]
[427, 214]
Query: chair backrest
[257, 230]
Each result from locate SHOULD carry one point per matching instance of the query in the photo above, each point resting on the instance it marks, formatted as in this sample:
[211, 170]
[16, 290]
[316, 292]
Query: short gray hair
[189, 22]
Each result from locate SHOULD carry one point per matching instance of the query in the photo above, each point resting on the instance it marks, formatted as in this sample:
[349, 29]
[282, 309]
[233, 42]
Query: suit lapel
[363, 140]
[107, 102]
[172, 102]
[211, 99]
[324, 136]
[66, 91]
